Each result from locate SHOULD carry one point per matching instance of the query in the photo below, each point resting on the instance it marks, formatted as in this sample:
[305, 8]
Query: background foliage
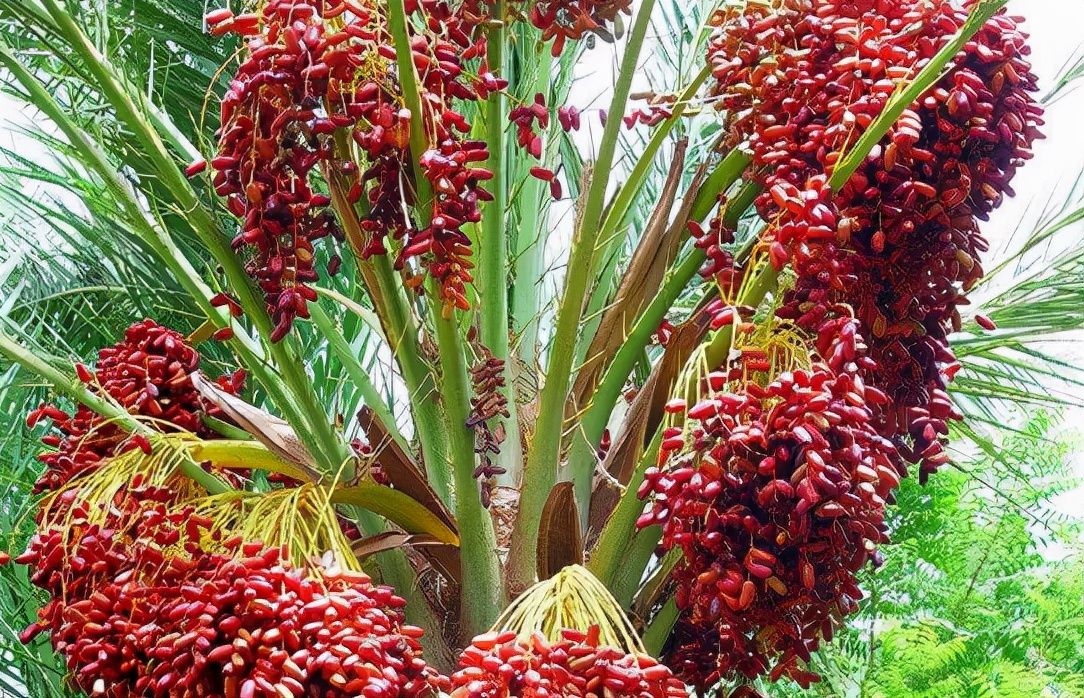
[981, 593]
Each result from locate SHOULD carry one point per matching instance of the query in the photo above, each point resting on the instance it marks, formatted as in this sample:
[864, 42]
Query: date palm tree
[461, 418]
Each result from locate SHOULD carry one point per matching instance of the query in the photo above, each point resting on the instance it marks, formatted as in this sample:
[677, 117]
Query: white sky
[1057, 29]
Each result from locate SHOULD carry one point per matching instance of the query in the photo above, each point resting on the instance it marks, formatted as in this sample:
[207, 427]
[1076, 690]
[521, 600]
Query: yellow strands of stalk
[572, 599]
[784, 346]
[758, 262]
[99, 489]
[302, 520]
[780, 343]
[690, 382]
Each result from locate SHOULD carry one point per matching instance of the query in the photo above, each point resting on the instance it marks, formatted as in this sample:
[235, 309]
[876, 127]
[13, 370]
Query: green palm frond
[968, 603]
[1068, 77]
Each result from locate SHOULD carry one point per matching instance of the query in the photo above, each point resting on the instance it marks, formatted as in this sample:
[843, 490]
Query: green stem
[658, 630]
[419, 144]
[483, 594]
[641, 550]
[492, 254]
[232, 454]
[609, 556]
[613, 381]
[403, 334]
[74, 388]
[345, 354]
[408, 81]
[400, 331]
[540, 471]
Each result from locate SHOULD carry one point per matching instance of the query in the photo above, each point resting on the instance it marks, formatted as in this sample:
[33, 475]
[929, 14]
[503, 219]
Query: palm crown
[353, 201]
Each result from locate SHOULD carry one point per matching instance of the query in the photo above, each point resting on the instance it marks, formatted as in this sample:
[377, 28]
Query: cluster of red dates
[317, 86]
[318, 82]
[139, 606]
[148, 373]
[497, 665]
[775, 488]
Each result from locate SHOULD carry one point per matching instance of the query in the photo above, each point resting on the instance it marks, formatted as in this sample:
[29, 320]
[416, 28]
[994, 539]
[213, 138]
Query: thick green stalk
[492, 255]
[638, 556]
[408, 81]
[75, 389]
[540, 471]
[401, 333]
[530, 250]
[483, 594]
[658, 630]
[310, 421]
[609, 557]
[532, 205]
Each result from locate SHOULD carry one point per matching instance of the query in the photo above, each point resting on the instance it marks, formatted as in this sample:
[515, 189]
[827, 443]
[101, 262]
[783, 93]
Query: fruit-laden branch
[483, 593]
[305, 411]
[764, 407]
